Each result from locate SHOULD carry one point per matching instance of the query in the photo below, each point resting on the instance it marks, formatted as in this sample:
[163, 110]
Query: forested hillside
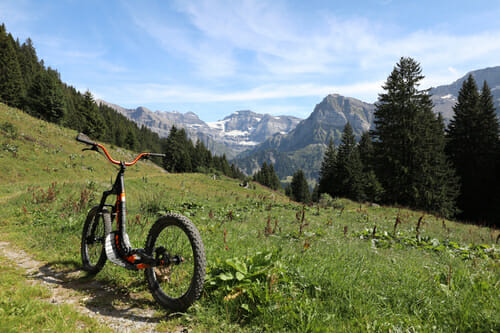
[26, 83]
[411, 159]
[408, 158]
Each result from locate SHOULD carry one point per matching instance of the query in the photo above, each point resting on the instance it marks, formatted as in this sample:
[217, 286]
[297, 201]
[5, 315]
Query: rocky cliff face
[445, 97]
[252, 128]
[326, 121]
[303, 147]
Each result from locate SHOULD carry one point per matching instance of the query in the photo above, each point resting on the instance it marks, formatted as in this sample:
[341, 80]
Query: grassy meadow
[273, 265]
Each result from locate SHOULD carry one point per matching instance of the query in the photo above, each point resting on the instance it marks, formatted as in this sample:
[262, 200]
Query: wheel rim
[95, 240]
[175, 279]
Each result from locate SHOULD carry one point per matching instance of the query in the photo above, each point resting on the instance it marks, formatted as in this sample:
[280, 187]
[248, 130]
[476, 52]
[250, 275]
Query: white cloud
[211, 58]
[156, 93]
[279, 42]
[224, 46]
[282, 41]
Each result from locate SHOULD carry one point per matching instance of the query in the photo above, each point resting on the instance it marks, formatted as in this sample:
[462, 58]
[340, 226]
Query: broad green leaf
[226, 276]
[239, 276]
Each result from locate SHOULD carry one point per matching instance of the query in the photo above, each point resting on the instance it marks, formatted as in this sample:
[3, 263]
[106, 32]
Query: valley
[250, 139]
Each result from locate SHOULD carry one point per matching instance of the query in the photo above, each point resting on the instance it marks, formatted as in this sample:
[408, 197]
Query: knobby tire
[176, 286]
[95, 229]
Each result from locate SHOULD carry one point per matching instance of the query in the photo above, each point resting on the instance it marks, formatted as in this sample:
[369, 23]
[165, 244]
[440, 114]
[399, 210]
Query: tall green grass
[273, 265]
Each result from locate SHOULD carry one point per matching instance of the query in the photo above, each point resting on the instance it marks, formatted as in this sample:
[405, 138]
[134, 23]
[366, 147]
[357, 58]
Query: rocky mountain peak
[333, 113]
[235, 133]
[445, 97]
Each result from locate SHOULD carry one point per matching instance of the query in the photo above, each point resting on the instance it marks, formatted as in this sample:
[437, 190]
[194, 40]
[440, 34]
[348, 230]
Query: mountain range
[304, 146]
[445, 97]
[232, 135]
[290, 143]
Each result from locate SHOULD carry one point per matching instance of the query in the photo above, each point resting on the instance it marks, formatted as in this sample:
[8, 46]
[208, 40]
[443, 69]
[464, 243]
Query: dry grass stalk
[419, 224]
[398, 222]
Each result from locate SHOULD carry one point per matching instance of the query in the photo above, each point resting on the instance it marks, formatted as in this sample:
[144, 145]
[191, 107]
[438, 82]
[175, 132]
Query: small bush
[9, 130]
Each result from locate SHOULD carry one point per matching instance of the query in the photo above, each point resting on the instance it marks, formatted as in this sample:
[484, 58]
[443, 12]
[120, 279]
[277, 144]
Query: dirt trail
[120, 311]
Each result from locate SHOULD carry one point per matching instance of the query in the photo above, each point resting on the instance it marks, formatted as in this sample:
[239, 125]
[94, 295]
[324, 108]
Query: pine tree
[73, 119]
[366, 151]
[263, 175]
[45, 98]
[267, 176]
[473, 148]
[349, 170]
[491, 154]
[299, 187]
[488, 117]
[28, 63]
[327, 171]
[436, 184]
[409, 144]
[92, 122]
[372, 187]
[274, 181]
[12, 87]
[177, 149]
[198, 162]
[131, 140]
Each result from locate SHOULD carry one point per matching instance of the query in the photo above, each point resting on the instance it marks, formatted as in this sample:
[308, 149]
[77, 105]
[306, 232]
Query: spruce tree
[274, 181]
[473, 148]
[372, 187]
[491, 154]
[299, 188]
[92, 122]
[409, 144]
[267, 176]
[177, 149]
[488, 117]
[263, 176]
[131, 140]
[45, 98]
[203, 157]
[327, 170]
[11, 83]
[348, 177]
[28, 62]
[73, 119]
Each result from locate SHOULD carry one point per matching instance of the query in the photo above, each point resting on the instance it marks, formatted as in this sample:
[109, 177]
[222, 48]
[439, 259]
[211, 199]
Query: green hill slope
[273, 265]
[37, 152]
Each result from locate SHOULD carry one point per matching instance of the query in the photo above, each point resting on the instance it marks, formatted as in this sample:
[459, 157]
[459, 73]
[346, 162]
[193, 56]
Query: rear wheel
[175, 239]
[96, 227]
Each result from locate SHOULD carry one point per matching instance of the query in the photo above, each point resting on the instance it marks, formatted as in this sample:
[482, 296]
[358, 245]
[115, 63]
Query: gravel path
[117, 310]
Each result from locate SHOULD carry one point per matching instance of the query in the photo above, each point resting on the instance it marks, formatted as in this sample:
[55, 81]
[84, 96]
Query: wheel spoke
[94, 232]
[175, 240]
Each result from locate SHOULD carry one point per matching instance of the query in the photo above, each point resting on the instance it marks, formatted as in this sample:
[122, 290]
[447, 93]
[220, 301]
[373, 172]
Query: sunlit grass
[27, 308]
[328, 271]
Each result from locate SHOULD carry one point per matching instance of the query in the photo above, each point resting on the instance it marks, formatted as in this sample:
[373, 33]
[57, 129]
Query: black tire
[95, 229]
[176, 286]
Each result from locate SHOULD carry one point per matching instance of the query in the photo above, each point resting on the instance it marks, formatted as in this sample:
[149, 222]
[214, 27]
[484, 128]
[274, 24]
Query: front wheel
[175, 239]
[96, 227]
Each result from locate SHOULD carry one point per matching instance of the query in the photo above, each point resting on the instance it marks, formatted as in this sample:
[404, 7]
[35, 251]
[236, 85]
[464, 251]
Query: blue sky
[278, 57]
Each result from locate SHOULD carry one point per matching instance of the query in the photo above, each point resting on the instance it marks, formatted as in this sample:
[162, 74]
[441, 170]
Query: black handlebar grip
[85, 139]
